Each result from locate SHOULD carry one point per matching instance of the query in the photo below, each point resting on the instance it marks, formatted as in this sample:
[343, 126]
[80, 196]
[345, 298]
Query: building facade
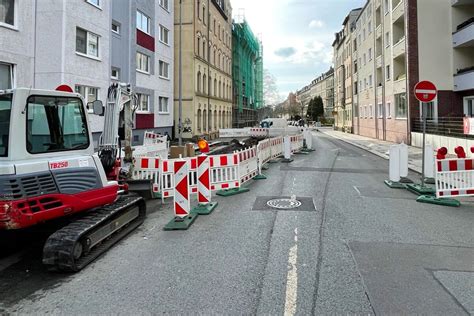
[247, 74]
[206, 47]
[322, 86]
[88, 44]
[343, 70]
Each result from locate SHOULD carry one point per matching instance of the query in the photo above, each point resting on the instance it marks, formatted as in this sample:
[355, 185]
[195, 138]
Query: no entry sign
[425, 91]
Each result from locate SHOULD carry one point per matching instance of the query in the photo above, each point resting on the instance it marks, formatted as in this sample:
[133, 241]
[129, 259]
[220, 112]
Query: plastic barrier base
[438, 201]
[204, 209]
[232, 191]
[277, 160]
[179, 223]
[286, 160]
[395, 185]
[430, 180]
[406, 180]
[421, 190]
[265, 167]
[301, 152]
[308, 150]
[260, 177]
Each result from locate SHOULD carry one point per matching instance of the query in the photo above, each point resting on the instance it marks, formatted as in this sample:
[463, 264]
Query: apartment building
[247, 74]
[343, 97]
[322, 86]
[206, 47]
[86, 44]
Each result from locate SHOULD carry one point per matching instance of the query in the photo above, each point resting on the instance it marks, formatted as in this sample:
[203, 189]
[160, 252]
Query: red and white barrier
[248, 164]
[167, 176]
[259, 132]
[204, 180]
[145, 168]
[224, 172]
[296, 143]
[454, 177]
[276, 147]
[182, 204]
[264, 153]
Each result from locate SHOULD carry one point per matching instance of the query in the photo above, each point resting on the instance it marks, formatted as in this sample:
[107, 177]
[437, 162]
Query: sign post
[425, 92]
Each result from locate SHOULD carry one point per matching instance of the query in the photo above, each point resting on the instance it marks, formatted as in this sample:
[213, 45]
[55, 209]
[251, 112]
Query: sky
[297, 36]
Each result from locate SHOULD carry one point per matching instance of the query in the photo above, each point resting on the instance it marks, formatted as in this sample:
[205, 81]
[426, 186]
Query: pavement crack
[321, 234]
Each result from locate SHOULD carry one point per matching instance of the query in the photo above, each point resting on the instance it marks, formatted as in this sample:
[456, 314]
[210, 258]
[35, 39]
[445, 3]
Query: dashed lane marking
[292, 279]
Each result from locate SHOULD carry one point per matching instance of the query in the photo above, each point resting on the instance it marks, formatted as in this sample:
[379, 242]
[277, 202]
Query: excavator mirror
[97, 107]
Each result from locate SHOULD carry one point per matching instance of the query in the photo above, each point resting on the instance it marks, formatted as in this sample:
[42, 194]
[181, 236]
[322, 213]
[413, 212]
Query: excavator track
[76, 245]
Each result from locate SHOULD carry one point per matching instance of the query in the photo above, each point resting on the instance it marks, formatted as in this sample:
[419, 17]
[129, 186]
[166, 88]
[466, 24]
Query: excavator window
[55, 124]
[5, 108]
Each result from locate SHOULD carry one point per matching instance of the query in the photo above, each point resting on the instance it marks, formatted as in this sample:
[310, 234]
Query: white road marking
[423, 91]
[357, 189]
[292, 279]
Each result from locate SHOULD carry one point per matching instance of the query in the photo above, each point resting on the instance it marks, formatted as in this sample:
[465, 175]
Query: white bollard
[309, 139]
[429, 161]
[287, 149]
[394, 162]
[403, 160]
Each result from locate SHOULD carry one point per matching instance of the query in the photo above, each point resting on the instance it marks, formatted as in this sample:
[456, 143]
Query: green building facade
[247, 75]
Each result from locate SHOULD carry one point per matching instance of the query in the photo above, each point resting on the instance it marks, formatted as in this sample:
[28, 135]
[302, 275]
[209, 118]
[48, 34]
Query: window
[164, 69]
[87, 43]
[389, 110]
[143, 102]
[143, 22]
[198, 7]
[370, 111]
[163, 105]
[143, 63]
[204, 15]
[387, 72]
[47, 135]
[386, 6]
[198, 81]
[387, 39]
[469, 106]
[164, 35]
[370, 54]
[90, 94]
[380, 110]
[431, 109]
[365, 59]
[400, 105]
[6, 76]
[164, 4]
[370, 80]
[356, 90]
[115, 73]
[355, 66]
[115, 27]
[370, 27]
[7, 12]
[5, 107]
[95, 3]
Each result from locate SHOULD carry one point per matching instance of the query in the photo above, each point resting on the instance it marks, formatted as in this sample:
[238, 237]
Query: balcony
[464, 37]
[379, 92]
[464, 81]
[378, 31]
[400, 86]
[399, 48]
[378, 61]
[398, 12]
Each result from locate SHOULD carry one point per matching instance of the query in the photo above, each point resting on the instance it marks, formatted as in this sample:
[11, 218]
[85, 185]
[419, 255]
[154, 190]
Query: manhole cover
[284, 204]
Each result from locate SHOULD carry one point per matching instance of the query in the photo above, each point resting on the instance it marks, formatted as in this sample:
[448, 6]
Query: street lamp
[180, 80]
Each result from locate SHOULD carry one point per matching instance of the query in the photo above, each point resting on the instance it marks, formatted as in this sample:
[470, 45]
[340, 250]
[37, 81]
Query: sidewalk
[376, 146]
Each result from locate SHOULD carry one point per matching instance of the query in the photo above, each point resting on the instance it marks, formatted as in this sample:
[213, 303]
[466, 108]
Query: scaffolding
[247, 67]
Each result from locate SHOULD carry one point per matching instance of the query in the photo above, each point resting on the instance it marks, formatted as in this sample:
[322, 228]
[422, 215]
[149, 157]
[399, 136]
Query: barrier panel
[151, 138]
[454, 177]
[296, 143]
[234, 132]
[259, 132]
[147, 169]
[224, 171]
[264, 153]
[167, 176]
[276, 147]
[248, 164]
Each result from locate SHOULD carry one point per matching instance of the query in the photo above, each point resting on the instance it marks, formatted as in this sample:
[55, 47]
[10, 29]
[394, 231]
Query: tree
[310, 112]
[271, 95]
[318, 107]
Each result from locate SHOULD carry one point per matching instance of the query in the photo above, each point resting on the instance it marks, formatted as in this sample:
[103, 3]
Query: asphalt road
[353, 246]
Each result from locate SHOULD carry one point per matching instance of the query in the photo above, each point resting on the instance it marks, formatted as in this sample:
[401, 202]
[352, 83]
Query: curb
[376, 153]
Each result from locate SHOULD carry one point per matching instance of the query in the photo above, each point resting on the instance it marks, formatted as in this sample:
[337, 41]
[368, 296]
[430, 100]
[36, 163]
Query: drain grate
[284, 204]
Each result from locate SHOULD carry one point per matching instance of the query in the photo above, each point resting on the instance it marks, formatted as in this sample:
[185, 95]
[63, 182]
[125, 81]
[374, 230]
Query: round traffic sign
[425, 91]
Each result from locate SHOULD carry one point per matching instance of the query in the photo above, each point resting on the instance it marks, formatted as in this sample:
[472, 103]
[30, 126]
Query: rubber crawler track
[58, 249]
